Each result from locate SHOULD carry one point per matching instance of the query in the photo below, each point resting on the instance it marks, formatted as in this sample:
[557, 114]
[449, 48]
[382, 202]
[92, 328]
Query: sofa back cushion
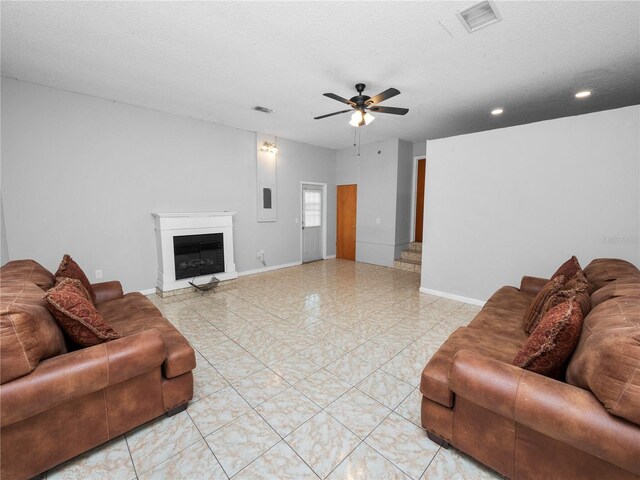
[607, 358]
[602, 271]
[28, 270]
[622, 287]
[28, 332]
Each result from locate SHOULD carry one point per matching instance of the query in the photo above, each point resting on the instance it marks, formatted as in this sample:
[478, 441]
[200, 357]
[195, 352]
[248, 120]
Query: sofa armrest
[561, 411]
[106, 291]
[72, 375]
[532, 284]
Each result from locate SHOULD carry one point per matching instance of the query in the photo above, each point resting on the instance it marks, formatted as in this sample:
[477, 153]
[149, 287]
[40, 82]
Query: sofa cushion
[534, 312]
[605, 270]
[568, 269]
[553, 341]
[622, 287]
[28, 332]
[28, 270]
[70, 269]
[72, 308]
[501, 321]
[607, 359]
[135, 313]
[510, 298]
[434, 383]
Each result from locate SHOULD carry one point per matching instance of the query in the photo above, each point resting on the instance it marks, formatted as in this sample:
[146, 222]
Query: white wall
[519, 201]
[82, 175]
[375, 173]
[383, 175]
[419, 149]
[4, 246]
[404, 216]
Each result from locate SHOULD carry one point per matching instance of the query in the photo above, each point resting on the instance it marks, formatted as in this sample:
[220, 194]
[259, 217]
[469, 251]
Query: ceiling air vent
[479, 15]
[263, 109]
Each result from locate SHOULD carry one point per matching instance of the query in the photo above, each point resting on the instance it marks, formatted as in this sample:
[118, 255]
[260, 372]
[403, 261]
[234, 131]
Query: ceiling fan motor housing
[360, 100]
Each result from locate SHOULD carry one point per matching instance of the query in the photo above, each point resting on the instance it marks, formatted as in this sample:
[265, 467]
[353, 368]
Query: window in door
[312, 208]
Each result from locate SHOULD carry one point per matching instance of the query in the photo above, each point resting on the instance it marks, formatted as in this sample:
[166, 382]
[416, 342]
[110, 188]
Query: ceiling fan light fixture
[368, 118]
[356, 119]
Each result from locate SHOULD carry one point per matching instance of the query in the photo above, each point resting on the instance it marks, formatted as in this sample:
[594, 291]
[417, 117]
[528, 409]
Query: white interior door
[311, 222]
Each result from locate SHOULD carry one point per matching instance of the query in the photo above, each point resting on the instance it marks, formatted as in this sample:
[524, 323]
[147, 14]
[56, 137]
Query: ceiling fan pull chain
[355, 133]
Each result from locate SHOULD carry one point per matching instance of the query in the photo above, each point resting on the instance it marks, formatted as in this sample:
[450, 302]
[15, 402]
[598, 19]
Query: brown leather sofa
[527, 426]
[57, 402]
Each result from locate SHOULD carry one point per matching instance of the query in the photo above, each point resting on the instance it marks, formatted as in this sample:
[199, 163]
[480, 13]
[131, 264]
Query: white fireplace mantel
[169, 225]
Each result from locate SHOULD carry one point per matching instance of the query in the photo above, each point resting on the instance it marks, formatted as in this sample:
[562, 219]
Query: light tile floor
[307, 372]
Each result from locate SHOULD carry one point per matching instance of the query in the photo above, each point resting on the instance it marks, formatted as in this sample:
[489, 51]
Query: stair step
[408, 265]
[412, 255]
[415, 247]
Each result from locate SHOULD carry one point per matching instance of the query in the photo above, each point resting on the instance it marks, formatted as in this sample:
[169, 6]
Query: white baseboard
[452, 296]
[329, 257]
[148, 291]
[268, 269]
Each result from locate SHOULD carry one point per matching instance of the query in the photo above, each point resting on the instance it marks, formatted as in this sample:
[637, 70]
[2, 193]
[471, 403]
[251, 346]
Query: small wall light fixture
[269, 147]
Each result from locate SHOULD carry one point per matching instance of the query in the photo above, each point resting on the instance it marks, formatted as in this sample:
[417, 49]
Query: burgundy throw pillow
[70, 269]
[72, 308]
[534, 312]
[568, 269]
[577, 288]
[553, 341]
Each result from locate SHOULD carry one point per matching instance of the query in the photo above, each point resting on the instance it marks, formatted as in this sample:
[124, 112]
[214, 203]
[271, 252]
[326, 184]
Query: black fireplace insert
[198, 255]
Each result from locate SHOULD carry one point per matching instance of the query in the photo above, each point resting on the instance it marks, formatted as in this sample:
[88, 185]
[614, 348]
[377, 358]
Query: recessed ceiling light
[497, 111]
[583, 94]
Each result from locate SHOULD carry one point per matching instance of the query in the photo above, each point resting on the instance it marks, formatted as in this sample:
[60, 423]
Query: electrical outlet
[378, 220]
[98, 274]
[258, 255]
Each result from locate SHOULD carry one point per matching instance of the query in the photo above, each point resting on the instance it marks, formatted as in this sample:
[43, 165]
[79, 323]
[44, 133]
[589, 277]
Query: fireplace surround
[193, 245]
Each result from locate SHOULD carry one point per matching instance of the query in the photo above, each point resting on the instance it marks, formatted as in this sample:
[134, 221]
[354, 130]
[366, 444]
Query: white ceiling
[216, 60]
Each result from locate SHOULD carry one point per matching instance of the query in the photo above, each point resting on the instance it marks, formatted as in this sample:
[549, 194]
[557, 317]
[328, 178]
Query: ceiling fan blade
[392, 110]
[340, 99]
[331, 114]
[388, 93]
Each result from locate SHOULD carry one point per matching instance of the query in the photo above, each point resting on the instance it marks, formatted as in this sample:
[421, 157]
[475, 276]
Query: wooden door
[346, 221]
[420, 200]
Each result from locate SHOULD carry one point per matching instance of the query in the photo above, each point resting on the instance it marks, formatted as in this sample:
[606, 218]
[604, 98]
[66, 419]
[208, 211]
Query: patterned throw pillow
[70, 269]
[568, 269]
[553, 341]
[72, 308]
[577, 287]
[534, 312]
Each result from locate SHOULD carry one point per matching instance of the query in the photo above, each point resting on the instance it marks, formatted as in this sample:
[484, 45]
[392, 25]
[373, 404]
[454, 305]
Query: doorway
[420, 172]
[313, 221]
[347, 200]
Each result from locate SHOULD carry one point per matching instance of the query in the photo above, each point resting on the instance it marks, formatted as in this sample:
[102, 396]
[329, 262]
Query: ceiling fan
[363, 104]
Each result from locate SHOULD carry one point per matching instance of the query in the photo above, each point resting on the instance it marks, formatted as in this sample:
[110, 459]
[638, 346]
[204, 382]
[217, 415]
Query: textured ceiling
[216, 60]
